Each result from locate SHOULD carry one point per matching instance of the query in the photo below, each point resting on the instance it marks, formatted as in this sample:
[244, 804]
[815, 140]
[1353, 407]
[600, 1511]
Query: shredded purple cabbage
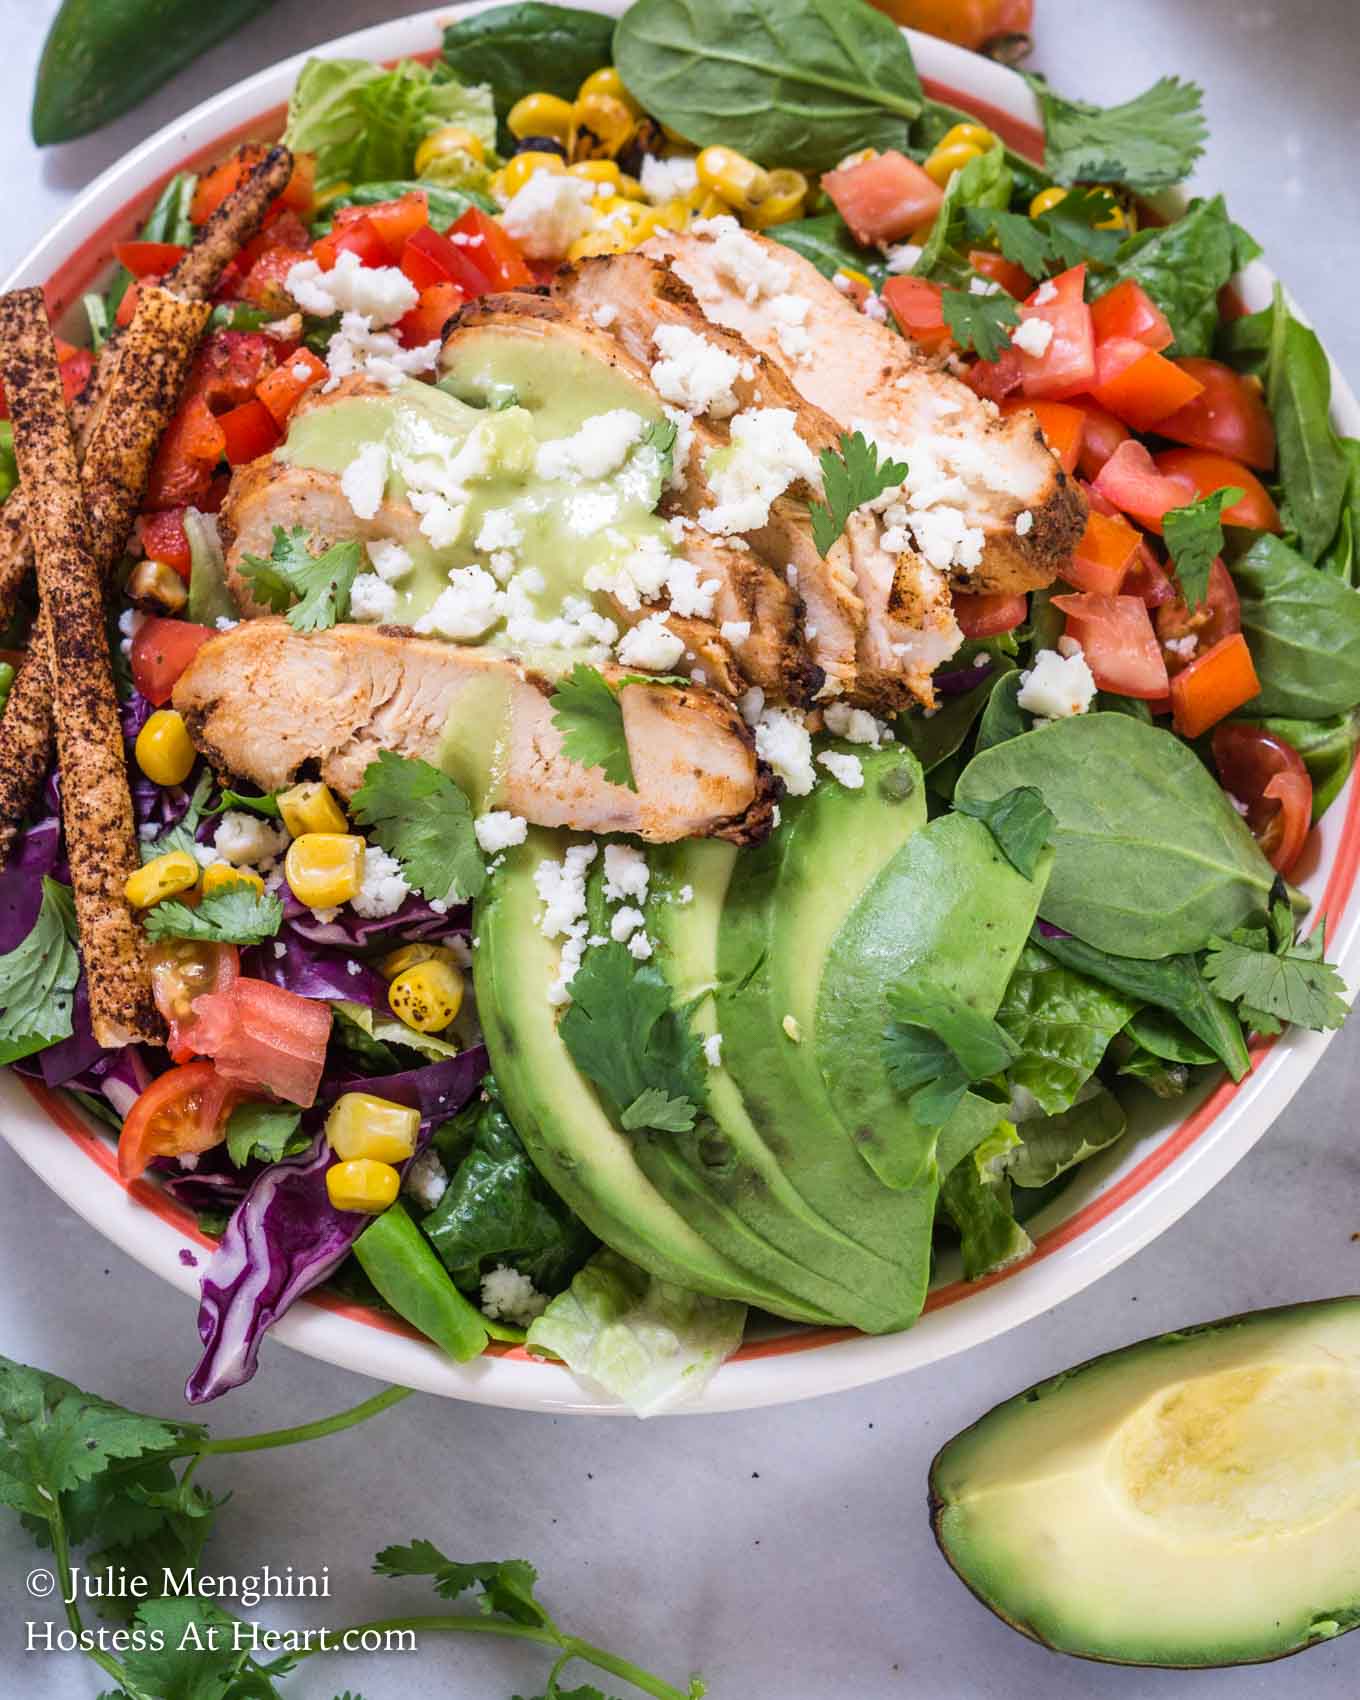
[312, 971]
[961, 679]
[1049, 931]
[21, 882]
[68, 1059]
[134, 713]
[416, 920]
[286, 1237]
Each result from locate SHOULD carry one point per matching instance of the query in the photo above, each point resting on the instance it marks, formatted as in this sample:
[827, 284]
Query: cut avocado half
[1192, 1500]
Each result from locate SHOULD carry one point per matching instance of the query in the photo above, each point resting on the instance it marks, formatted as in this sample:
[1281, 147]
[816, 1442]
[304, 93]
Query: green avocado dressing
[475, 439]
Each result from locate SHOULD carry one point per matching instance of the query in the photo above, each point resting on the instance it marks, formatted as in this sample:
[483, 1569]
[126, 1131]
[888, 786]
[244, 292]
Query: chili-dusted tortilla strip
[193, 279]
[158, 349]
[101, 839]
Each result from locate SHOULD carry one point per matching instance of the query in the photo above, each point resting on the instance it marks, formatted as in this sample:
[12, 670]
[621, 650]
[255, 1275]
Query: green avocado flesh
[1190, 1500]
[770, 1197]
[480, 453]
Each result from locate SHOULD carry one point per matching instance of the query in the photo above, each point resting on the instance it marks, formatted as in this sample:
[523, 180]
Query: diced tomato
[182, 970]
[1148, 579]
[229, 366]
[1101, 437]
[1120, 646]
[187, 457]
[1108, 548]
[885, 198]
[1268, 776]
[263, 284]
[426, 320]
[1012, 278]
[161, 650]
[1137, 486]
[916, 305]
[1213, 686]
[250, 432]
[995, 379]
[164, 539]
[282, 389]
[360, 238]
[1137, 384]
[394, 220]
[1217, 617]
[429, 258]
[145, 259]
[127, 307]
[75, 373]
[183, 1111]
[493, 250]
[1068, 364]
[1062, 425]
[989, 614]
[1128, 311]
[1206, 473]
[1230, 417]
[261, 1035]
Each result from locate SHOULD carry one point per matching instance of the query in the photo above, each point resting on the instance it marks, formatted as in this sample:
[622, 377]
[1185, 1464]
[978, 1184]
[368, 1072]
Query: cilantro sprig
[624, 1032]
[417, 814]
[1150, 142]
[88, 1476]
[1274, 979]
[233, 914]
[936, 1047]
[313, 590]
[1193, 536]
[588, 712]
[850, 479]
[980, 322]
[1068, 234]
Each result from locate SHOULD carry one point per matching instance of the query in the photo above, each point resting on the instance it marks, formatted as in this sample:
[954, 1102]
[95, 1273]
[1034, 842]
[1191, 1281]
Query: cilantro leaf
[181, 835]
[589, 715]
[625, 1034]
[38, 978]
[233, 914]
[1193, 536]
[1022, 240]
[1020, 822]
[1070, 228]
[1150, 142]
[321, 584]
[188, 1653]
[1290, 983]
[661, 437]
[936, 1046]
[507, 1584]
[419, 815]
[850, 479]
[266, 1131]
[980, 321]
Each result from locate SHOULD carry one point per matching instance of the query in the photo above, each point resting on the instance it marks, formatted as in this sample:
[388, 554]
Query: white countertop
[785, 1553]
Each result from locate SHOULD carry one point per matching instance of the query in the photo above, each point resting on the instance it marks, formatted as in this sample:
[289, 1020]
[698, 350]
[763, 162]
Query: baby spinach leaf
[1149, 853]
[1183, 266]
[527, 48]
[1303, 629]
[800, 84]
[1020, 822]
[1049, 1145]
[1169, 1039]
[1342, 556]
[826, 241]
[936, 1046]
[1314, 469]
[1062, 1022]
[934, 738]
[1150, 142]
[1174, 984]
[266, 1131]
[1003, 718]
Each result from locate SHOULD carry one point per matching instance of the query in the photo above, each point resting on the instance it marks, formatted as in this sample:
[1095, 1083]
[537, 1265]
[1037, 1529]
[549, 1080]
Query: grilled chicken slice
[867, 377]
[266, 703]
[908, 625]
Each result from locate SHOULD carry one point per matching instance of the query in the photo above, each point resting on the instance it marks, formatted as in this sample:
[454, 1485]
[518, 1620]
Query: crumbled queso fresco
[383, 889]
[511, 1297]
[1057, 685]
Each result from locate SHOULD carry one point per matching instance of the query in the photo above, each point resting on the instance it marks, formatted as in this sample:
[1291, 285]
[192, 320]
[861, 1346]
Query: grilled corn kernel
[670, 215]
[630, 188]
[596, 171]
[1046, 200]
[607, 240]
[428, 996]
[160, 585]
[361, 1126]
[522, 167]
[410, 955]
[788, 191]
[449, 139]
[608, 81]
[311, 807]
[541, 115]
[167, 876]
[708, 205]
[362, 1185]
[324, 868]
[738, 180]
[217, 876]
[975, 135]
[165, 752]
[941, 165]
[602, 126]
[1117, 218]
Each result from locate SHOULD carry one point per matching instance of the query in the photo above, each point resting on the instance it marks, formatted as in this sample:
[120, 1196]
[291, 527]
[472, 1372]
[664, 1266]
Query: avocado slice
[950, 907]
[1186, 1501]
[589, 1162]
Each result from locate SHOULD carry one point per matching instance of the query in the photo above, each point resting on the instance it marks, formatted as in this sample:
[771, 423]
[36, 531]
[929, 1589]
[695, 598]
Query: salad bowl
[1113, 1205]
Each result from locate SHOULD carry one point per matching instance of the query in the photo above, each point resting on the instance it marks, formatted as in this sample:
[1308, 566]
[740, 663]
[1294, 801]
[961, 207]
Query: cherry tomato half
[1218, 616]
[1269, 778]
[182, 1111]
[182, 970]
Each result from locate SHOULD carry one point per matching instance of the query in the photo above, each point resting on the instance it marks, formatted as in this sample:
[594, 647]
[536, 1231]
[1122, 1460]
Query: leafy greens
[417, 814]
[587, 711]
[313, 589]
[1150, 142]
[850, 479]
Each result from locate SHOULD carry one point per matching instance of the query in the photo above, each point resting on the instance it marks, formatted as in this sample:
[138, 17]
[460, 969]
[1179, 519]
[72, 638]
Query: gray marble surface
[785, 1553]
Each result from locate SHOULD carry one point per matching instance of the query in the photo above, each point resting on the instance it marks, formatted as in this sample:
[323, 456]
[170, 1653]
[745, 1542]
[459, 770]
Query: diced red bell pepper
[1063, 427]
[75, 372]
[1213, 686]
[165, 539]
[395, 221]
[214, 186]
[429, 258]
[249, 431]
[493, 250]
[1108, 548]
[127, 307]
[426, 320]
[145, 259]
[229, 366]
[1129, 311]
[915, 303]
[360, 238]
[282, 389]
[187, 457]
[1138, 385]
[884, 198]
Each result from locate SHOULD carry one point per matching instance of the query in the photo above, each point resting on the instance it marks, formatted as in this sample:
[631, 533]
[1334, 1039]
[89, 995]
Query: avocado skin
[943, 1498]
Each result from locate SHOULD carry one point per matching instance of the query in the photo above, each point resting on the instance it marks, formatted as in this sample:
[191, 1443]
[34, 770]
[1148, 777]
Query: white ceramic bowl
[1115, 1204]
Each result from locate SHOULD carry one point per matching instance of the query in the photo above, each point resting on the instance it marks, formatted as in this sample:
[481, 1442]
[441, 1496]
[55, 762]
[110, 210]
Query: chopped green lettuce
[1062, 1021]
[976, 1196]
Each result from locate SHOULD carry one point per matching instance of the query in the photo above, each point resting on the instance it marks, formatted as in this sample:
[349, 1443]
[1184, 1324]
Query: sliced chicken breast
[265, 703]
[869, 378]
